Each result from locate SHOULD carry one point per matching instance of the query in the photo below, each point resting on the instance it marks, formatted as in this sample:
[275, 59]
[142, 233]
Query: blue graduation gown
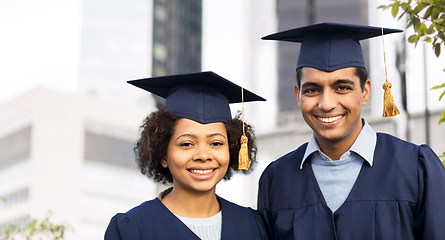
[401, 197]
[152, 220]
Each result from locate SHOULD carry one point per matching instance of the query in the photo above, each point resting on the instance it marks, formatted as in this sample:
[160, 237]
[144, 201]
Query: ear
[366, 92]
[297, 94]
[164, 162]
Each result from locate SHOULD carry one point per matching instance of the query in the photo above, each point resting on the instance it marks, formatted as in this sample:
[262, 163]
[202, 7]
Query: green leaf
[435, 14]
[431, 29]
[413, 38]
[416, 23]
[421, 30]
[438, 86]
[428, 12]
[405, 6]
[395, 9]
[434, 41]
[420, 7]
[441, 35]
[437, 49]
[441, 95]
[401, 15]
[410, 23]
[442, 119]
[384, 7]
[427, 39]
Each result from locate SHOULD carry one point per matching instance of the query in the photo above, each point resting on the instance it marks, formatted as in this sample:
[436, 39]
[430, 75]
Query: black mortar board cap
[330, 46]
[203, 97]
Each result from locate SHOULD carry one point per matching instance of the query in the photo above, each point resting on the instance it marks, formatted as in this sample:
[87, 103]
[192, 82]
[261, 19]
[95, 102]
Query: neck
[335, 148]
[192, 204]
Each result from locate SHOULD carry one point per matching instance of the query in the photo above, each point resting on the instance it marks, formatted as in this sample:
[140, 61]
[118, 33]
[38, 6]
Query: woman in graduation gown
[193, 142]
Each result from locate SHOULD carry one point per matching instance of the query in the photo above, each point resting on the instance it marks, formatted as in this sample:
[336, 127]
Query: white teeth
[201, 172]
[331, 119]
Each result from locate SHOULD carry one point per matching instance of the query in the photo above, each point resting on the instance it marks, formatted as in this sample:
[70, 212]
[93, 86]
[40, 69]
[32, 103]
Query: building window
[110, 150]
[160, 13]
[160, 52]
[15, 147]
[21, 223]
[181, 24]
[14, 198]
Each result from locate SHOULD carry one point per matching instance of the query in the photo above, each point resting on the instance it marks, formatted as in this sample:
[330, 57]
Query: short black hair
[360, 72]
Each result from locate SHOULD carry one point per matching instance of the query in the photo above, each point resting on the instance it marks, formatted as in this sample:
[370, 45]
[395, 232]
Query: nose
[327, 101]
[202, 154]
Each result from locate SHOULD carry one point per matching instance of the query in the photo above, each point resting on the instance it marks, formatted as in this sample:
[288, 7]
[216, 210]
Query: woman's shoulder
[128, 225]
[144, 214]
[140, 213]
[229, 204]
[144, 207]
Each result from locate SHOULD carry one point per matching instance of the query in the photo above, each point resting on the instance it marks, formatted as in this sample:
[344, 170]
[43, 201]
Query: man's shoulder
[405, 153]
[393, 141]
[290, 159]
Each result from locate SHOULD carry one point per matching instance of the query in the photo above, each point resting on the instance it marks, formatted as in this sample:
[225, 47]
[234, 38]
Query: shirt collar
[364, 145]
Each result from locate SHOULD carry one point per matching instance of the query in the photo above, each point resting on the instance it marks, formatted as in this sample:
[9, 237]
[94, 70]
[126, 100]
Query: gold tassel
[243, 156]
[389, 106]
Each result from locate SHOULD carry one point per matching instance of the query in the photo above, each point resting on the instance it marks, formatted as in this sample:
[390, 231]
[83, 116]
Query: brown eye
[217, 144]
[344, 88]
[185, 144]
[310, 91]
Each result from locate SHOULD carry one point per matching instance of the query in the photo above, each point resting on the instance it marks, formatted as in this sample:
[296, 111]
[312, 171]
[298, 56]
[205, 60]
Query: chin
[332, 137]
[204, 188]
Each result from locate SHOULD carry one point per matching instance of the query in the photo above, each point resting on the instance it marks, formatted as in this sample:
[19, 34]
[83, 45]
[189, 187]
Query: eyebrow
[309, 84]
[186, 135]
[216, 134]
[339, 81]
[194, 136]
[343, 81]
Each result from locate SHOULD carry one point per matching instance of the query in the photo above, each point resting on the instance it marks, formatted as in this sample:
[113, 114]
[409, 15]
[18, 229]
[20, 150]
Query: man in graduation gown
[348, 182]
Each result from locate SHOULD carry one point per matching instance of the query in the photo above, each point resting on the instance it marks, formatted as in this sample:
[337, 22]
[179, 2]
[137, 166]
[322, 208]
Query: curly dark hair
[158, 128]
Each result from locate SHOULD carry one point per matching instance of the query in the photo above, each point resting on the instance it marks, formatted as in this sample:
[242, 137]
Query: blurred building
[71, 155]
[177, 38]
[177, 35]
[115, 46]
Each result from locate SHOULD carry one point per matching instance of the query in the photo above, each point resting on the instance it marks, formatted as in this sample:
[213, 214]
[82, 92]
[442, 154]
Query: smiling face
[331, 103]
[198, 155]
